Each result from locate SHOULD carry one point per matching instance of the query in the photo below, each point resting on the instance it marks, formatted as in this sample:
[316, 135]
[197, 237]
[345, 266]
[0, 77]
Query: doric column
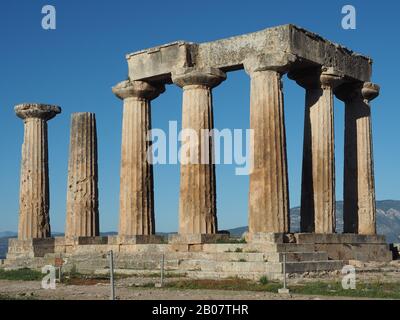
[136, 185]
[34, 219]
[197, 202]
[268, 192]
[359, 211]
[318, 177]
[82, 194]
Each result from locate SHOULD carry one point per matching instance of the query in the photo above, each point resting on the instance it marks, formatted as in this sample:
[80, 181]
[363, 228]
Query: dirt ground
[101, 291]
[138, 288]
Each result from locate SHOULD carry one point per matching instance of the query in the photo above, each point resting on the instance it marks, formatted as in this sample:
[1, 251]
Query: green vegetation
[231, 240]
[238, 250]
[375, 289]
[264, 280]
[363, 290]
[227, 284]
[154, 275]
[24, 274]
[74, 271]
[242, 260]
[76, 278]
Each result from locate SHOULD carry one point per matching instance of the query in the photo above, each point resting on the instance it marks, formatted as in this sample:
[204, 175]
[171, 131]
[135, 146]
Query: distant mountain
[387, 216]
[4, 234]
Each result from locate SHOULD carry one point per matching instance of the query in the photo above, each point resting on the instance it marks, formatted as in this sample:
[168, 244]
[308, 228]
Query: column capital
[275, 61]
[353, 90]
[137, 89]
[36, 110]
[209, 77]
[370, 91]
[324, 77]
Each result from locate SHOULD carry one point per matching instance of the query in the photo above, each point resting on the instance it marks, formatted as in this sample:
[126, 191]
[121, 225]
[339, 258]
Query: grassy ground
[21, 275]
[324, 288]
[373, 289]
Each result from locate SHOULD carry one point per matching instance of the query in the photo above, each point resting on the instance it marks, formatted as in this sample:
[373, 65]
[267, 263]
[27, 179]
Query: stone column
[268, 193]
[136, 185]
[197, 202]
[359, 211]
[82, 195]
[34, 219]
[318, 202]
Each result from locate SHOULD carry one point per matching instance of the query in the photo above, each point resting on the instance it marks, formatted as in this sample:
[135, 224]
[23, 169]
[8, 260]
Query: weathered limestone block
[197, 202]
[136, 193]
[82, 194]
[196, 238]
[136, 239]
[318, 176]
[268, 192]
[359, 187]
[34, 219]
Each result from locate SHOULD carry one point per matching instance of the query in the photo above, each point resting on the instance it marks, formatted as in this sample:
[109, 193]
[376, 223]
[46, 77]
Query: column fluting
[82, 192]
[136, 184]
[197, 201]
[34, 218]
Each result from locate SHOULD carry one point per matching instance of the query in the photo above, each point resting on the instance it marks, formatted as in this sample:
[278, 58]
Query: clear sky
[76, 65]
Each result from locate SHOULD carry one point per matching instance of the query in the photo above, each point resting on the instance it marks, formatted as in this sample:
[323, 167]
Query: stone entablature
[305, 49]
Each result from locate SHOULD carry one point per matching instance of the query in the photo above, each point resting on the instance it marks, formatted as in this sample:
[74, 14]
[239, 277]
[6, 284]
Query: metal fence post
[162, 269]
[111, 255]
[284, 290]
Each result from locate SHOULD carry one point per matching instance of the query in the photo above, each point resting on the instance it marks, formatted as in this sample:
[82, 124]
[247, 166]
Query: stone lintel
[309, 49]
[196, 238]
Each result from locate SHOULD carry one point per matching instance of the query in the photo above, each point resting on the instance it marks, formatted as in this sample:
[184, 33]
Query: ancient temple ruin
[322, 68]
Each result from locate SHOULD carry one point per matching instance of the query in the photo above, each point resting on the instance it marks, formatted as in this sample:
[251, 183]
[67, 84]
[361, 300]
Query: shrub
[264, 280]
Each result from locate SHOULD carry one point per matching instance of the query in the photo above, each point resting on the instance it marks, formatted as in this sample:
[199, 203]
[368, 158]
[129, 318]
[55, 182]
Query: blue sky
[76, 65]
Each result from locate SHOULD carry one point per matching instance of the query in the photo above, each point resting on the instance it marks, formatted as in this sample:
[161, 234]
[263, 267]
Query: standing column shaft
[82, 196]
[319, 106]
[136, 185]
[197, 202]
[359, 212]
[268, 194]
[34, 219]
[318, 203]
